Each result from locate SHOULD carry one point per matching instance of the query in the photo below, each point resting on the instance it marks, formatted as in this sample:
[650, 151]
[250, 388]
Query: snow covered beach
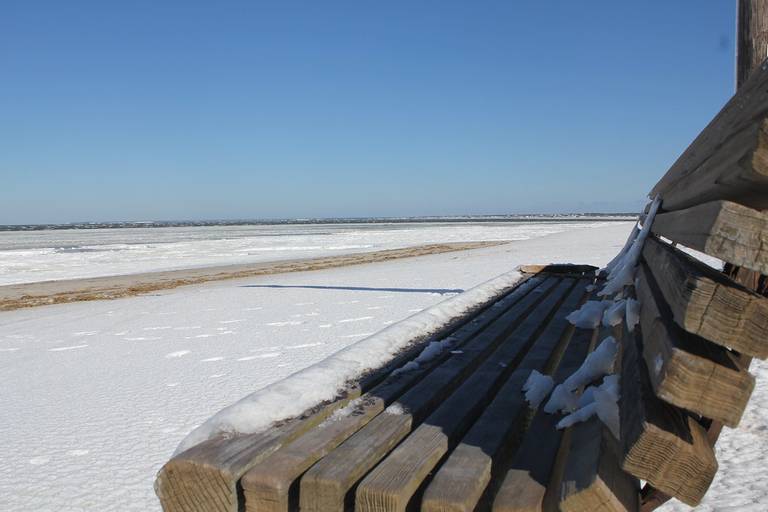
[98, 394]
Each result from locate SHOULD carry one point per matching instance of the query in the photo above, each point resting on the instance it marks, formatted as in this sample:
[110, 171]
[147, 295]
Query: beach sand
[27, 295]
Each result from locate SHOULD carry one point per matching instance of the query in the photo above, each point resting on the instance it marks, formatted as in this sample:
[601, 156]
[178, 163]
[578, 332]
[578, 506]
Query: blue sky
[185, 110]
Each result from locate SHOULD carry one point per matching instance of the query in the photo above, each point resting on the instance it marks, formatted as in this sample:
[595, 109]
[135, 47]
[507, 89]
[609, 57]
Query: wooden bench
[457, 433]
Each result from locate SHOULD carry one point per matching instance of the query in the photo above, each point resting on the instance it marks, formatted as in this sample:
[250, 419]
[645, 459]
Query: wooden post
[751, 51]
[751, 37]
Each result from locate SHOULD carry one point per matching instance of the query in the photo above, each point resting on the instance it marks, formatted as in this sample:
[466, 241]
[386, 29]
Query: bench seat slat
[326, 485]
[686, 370]
[462, 479]
[524, 486]
[707, 303]
[269, 486]
[392, 484]
[723, 229]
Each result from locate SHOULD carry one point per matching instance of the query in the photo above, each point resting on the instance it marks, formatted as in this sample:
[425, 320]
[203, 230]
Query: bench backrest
[699, 327]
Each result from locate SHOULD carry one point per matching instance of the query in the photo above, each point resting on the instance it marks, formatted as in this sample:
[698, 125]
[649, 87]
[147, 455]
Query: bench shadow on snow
[441, 291]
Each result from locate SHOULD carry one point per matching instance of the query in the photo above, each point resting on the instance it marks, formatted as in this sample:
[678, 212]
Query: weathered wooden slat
[464, 476]
[686, 370]
[729, 158]
[661, 444]
[593, 480]
[707, 303]
[270, 484]
[524, 486]
[205, 478]
[326, 485]
[392, 484]
[725, 230]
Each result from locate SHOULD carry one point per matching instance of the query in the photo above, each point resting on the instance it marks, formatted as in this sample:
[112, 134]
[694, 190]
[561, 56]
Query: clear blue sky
[186, 110]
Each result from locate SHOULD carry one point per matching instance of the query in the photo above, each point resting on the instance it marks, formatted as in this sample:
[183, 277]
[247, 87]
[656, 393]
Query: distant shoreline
[26, 295]
[565, 217]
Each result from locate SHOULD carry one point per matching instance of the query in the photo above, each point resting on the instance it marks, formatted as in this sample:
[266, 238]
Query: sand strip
[27, 295]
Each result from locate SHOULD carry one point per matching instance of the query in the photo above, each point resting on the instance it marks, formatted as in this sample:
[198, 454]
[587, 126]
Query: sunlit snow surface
[65, 254]
[96, 395]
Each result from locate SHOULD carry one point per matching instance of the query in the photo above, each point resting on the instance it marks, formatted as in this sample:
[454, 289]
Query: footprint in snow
[178, 353]
[61, 349]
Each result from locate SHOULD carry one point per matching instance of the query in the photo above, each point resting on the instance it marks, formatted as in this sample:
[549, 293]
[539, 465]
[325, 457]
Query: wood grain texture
[205, 477]
[723, 229]
[593, 480]
[391, 485]
[326, 486]
[524, 485]
[752, 38]
[270, 485]
[686, 370]
[463, 477]
[706, 303]
[661, 444]
[729, 158]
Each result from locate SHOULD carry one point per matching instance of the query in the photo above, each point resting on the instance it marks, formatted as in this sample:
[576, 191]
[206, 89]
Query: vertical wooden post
[751, 37]
[751, 51]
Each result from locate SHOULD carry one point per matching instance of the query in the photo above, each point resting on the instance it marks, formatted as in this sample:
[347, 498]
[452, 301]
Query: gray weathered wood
[270, 484]
[463, 477]
[204, 478]
[392, 484]
[593, 480]
[752, 38]
[661, 444]
[326, 485]
[707, 303]
[535, 465]
[685, 370]
[729, 158]
[722, 229]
